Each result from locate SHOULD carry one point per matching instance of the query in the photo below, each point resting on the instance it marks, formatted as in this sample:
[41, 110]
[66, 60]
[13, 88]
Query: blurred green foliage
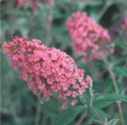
[18, 106]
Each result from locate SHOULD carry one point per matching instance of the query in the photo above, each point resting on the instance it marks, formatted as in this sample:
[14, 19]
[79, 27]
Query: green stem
[79, 122]
[37, 117]
[112, 75]
[49, 24]
[91, 96]
[83, 116]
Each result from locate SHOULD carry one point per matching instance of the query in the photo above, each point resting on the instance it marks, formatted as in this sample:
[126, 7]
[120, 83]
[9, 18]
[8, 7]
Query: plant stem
[49, 22]
[83, 116]
[112, 75]
[79, 122]
[37, 117]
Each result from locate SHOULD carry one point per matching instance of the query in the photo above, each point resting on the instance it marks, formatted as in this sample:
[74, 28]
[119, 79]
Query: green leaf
[106, 100]
[51, 108]
[121, 71]
[66, 117]
[113, 122]
[97, 116]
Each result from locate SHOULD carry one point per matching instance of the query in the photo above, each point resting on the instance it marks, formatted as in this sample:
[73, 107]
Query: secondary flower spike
[47, 70]
[89, 38]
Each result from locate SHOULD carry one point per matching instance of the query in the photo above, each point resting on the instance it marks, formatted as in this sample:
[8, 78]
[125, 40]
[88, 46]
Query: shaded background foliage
[18, 106]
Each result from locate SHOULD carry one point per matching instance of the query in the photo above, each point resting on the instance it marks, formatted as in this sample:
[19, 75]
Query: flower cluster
[47, 70]
[89, 38]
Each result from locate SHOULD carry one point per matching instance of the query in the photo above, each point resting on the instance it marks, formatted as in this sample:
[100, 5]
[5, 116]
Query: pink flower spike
[87, 36]
[47, 70]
